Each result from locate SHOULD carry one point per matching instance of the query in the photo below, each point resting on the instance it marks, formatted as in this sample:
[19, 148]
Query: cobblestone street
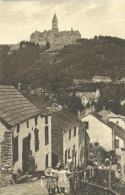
[32, 188]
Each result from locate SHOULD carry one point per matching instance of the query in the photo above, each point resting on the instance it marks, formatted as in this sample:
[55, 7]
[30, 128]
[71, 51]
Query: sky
[18, 19]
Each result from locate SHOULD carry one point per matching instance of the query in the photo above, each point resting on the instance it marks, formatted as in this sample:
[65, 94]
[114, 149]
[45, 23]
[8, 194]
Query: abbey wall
[54, 36]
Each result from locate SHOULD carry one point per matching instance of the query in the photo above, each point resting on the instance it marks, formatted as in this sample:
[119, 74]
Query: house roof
[88, 95]
[66, 120]
[14, 107]
[119, 131]
[106, 113]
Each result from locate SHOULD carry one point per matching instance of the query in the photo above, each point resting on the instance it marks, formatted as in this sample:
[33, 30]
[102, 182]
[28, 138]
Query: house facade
[107, 134]
[107, 115]
[98, 131]
[25, 133]
[88, 97]
[99, 79]
[69, 139]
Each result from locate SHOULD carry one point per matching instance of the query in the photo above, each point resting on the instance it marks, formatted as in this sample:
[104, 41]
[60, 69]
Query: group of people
[57, 180]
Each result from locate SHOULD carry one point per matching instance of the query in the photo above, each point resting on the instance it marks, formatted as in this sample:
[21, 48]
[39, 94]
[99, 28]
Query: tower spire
[55, 24]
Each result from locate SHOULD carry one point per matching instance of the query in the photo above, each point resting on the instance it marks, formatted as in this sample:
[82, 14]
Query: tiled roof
[14, 107]
[106, 113]
[119, 131]
[65, 120]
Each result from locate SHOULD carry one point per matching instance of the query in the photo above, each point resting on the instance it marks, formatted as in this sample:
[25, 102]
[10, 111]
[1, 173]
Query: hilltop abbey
[55, 37]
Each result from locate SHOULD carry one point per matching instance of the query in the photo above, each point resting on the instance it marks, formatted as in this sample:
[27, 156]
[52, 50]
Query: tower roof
[54, 18]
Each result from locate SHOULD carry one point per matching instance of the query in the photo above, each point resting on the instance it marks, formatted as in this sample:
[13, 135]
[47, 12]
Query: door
[26, 152]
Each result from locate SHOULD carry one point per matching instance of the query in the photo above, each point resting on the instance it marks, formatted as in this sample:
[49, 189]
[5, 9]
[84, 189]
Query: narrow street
[32, 188]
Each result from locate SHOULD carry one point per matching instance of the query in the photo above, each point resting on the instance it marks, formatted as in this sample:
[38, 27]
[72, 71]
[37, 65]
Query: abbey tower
[55, 29]
[56, 38]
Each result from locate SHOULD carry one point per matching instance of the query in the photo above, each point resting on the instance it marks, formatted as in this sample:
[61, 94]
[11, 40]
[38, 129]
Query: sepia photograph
[62, 97]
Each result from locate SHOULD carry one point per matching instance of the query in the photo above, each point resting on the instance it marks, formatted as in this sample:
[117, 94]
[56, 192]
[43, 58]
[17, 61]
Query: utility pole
[110, 168]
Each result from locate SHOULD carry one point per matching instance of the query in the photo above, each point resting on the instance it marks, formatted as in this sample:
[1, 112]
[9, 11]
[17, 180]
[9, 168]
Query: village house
[81, 81]
[69, 139]
[107, 134]
[25, 133]
[98, 130]
[99, 79]
[88, 97]
[107, 115]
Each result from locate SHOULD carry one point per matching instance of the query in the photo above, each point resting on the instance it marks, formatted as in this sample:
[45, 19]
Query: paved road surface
[31, 188]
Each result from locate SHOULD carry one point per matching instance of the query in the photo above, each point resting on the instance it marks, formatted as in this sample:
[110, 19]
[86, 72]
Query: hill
[88, 57]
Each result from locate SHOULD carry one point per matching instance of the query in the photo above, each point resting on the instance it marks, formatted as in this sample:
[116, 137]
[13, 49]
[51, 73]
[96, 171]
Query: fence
[96, 174]
[80, 184]
[80, 187]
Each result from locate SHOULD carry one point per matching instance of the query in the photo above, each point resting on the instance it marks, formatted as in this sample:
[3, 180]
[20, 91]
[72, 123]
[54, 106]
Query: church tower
[55, 29]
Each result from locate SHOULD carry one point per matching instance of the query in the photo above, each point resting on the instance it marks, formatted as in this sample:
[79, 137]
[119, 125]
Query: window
[86, 124]
[74, 147]
[18, 128]
[46, 135]
[46, 160]
[36, 132]
[65, 156]
[68, 152]
[27, 124]
[116, 143]
[15, 150]
[74, 131]
[70, 134]
[36, 121]
[46, 119]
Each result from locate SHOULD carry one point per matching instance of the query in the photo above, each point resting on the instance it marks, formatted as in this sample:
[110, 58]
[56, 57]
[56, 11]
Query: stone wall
[5, 148]
[6, 151]
[57, 142]
[60, 39]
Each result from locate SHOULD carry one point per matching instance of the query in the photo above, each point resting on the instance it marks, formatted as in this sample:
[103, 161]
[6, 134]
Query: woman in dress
[62, 179]
[51, 180]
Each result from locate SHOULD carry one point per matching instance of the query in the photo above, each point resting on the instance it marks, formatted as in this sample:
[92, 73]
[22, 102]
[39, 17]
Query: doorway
[26, 153]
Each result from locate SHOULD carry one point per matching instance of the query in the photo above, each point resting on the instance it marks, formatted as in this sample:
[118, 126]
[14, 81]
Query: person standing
[51, 178]
[62, 178]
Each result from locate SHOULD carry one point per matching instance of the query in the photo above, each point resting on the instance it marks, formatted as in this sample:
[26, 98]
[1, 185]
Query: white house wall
[40, 155]
[99, 132]
[68, 144]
